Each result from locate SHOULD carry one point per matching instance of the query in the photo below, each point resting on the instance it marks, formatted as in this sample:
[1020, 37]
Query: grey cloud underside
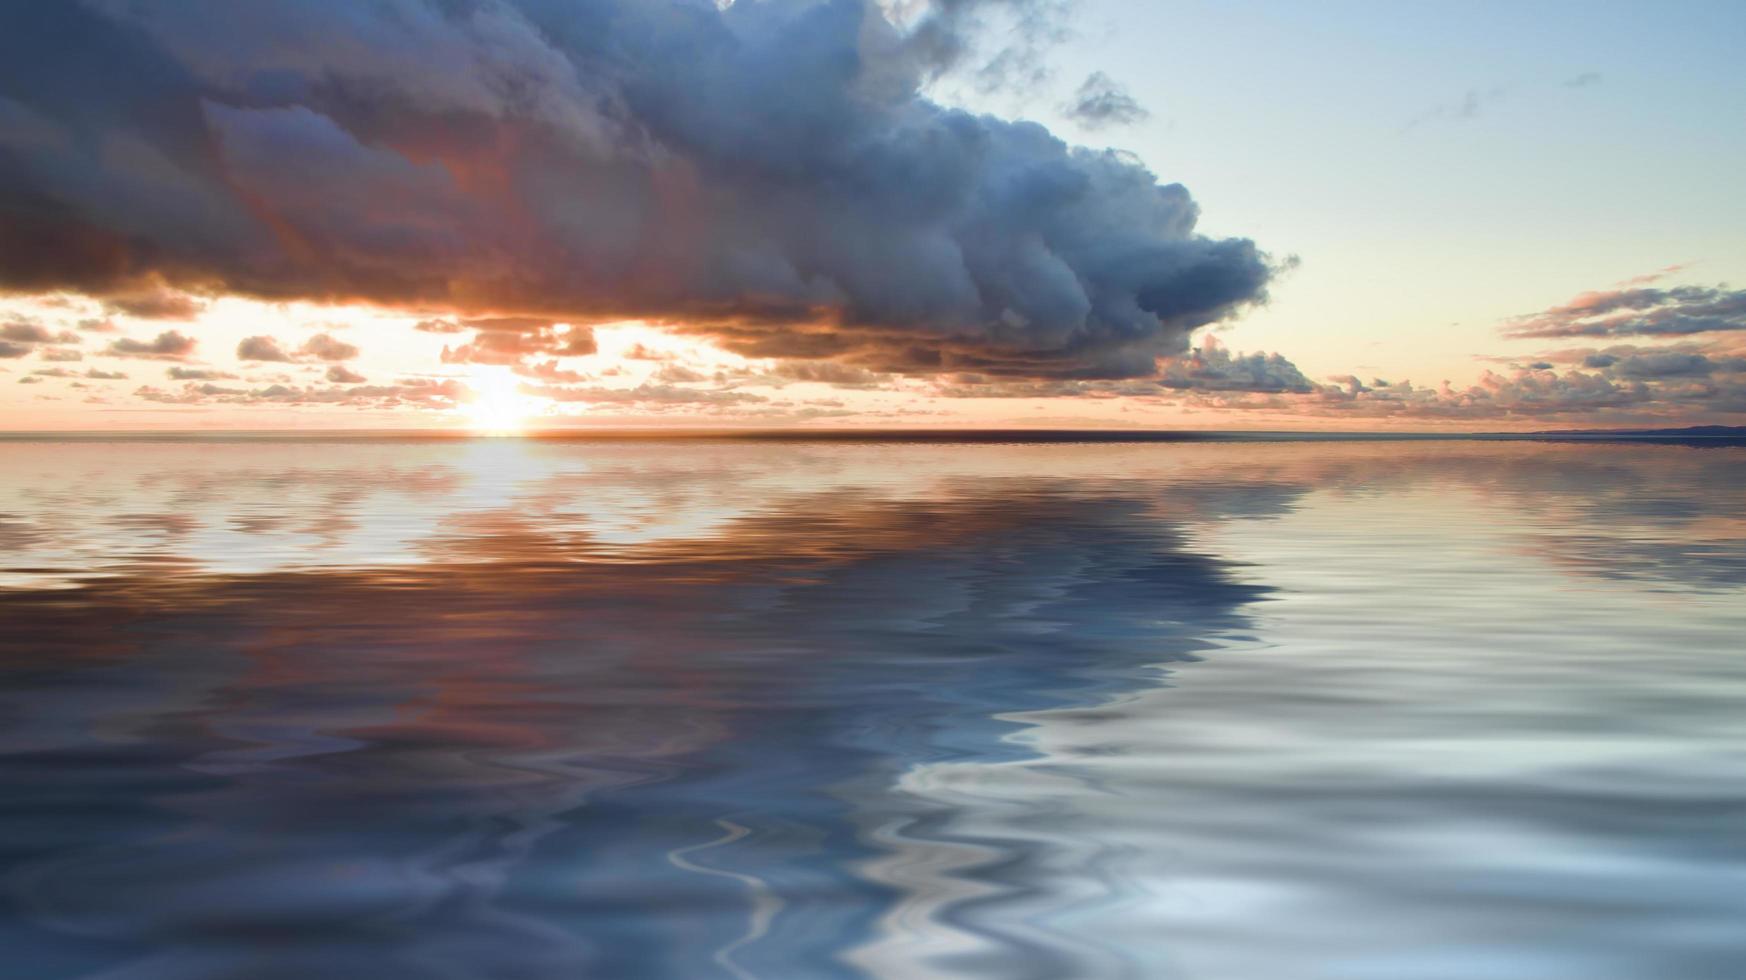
[769, 173]
[1640, 312]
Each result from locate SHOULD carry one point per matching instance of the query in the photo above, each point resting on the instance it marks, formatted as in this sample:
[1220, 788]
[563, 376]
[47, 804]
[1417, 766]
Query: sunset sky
[557, 213]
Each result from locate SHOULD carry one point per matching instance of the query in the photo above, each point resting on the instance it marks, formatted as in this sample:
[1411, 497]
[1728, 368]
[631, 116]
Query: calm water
[688, 709]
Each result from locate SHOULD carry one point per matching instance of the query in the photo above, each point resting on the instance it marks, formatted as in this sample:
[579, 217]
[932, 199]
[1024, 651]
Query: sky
[570, 213]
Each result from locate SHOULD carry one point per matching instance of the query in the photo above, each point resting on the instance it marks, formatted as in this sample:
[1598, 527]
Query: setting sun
[498, 404]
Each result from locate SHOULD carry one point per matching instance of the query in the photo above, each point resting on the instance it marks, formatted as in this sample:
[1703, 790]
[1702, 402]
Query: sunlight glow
[498, 404]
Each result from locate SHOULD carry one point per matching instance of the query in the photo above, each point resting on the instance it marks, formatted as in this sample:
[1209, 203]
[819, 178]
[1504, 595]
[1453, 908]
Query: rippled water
[509, 709]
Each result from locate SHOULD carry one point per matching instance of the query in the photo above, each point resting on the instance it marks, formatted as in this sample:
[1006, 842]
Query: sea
[978, 706]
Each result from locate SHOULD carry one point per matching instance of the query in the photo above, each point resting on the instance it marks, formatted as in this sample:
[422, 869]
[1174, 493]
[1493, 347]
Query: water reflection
[693, 709]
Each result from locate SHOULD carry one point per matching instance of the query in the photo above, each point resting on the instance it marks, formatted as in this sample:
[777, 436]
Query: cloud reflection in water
[696, 709]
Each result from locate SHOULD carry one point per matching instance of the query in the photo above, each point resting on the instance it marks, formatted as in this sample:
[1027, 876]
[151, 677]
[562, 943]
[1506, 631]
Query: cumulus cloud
[169, 345]
[260, 349]
[1100, 103]
[1214, 368]
[1639, 311]
[21, 332]
[769, 173]
[326, 347]
[11, 350]
[510, 340]
[340, 374]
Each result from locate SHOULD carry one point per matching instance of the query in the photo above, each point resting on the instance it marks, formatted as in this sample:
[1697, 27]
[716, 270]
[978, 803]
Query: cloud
[1584, 80]
[771, 174]
[339, 374]
[1213, 368]
[510, 340]
[1624, 384]
[34, 333]
[326, 348]
[169, 345]
[1638, 311]
[260, 348]
[1101, 103]
[1470, 106]
[179, 373]
[1210, 368]
[830, 373]
[438, 326]
[647, 396]
[159, 304]
[10, 350]
[419, 393]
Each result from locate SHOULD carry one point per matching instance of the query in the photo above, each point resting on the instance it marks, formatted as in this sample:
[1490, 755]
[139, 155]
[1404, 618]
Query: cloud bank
[1640, 312]
[770, 174]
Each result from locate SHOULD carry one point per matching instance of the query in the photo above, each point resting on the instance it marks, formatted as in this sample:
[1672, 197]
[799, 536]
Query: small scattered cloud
[260, 348]
[326, 347]
[1100, 103]
[1584, 80]
[169, 345]
[1470, 106]
[340, 374]
[179, 373]
[438, 326]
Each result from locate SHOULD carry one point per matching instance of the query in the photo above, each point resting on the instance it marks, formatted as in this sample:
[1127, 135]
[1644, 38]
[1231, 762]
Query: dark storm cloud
[1639, 312]
[1100, 102]
[169, 345]
[768, 173]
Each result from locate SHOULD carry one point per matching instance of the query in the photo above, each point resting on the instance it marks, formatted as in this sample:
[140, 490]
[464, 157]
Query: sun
[498, 403]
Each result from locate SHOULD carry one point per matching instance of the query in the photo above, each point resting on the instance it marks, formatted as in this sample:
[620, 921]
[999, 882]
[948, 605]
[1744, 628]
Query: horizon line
[1698, 434]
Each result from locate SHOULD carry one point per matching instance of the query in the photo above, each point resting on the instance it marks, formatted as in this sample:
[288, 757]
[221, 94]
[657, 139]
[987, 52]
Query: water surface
[1408, 711]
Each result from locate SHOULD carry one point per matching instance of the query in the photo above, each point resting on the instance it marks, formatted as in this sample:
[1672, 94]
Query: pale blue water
[500, 709]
